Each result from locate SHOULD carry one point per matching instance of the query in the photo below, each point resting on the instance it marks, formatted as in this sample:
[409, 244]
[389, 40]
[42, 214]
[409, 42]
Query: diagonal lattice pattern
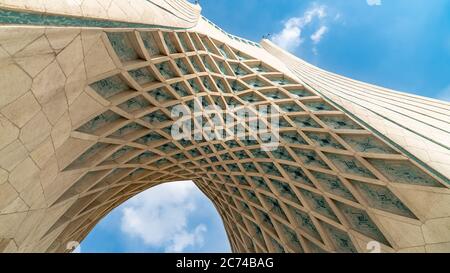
[315, 193]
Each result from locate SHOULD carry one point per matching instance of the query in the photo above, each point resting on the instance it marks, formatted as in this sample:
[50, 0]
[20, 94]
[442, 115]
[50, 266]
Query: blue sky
[399, 44]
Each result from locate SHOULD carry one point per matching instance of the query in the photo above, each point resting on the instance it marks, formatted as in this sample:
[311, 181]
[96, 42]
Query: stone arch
[102, 133]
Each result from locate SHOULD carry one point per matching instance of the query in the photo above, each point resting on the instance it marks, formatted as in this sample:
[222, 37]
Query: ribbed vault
[86, 119]
[320, 191]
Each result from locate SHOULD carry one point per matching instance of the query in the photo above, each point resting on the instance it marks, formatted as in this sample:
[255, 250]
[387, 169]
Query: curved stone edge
[433, 235]
[174, 13]
[416, 124]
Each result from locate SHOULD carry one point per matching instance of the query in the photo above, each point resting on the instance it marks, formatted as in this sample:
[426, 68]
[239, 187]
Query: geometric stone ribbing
[86, 123]
[316, 192]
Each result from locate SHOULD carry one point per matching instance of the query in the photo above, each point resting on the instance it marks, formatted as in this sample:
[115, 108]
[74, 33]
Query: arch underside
[332, 185]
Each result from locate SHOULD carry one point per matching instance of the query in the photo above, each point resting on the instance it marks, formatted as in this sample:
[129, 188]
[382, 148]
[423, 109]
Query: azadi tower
[87, 93]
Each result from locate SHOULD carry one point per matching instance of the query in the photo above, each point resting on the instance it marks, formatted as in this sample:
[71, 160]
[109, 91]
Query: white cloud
[318, 35]
[290, 37]
[374, 2]
[159, 217]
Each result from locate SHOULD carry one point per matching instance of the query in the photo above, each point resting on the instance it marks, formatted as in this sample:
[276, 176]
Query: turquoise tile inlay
[305, 223]
[237, 86]
[251, 195]
[162, 163]
[332, 184]
[150, 44]
[232, 102]
[185, 143]
[223, 52]
[256, 83]
[249, 142]
[259, 153]
[89, 154]
[194, 85]
[382, 198]
[265, 218]
[290, 107]
[214, 159]
[110, 86]
[257, 232]
[251, 98]
[300, 93]
[143, 158]
[180, 157]
[221, 85]
[226, 157]
[196, 43]
[340, 122]
[260, 183]
[123, 46]
[241, 154]
[180, 89]
[118, 154]
[259, 68]
[39, 19]
[182, 66]
[280, 81]
[222, 68]
[277, 247]
[205, 62]
[100, 121]
[241, 56]
[285, 191]
[207, 45]
[233, 167]
[319, 204]
[283, 123]
[297, 175]
[274, 206]
[195, 64]
[360, 221]
[305, 122]
[135, 104]
[292, 239]
[310, 158]
[325, 140]
[147, 139]
[165, 70]
[275, 95]
[127, 130]
[318, 106]
[242, 180]
[244, 206]
[269, 168]
[207, 84]
[282, 153]
[183, 42]
[155, 117]
[350, 165]
[168, 147]
[194, 153]
[161, 94]
[313, 248]
[340, 239]
[404, 172]
[169, 43]
[142, 76]
[367, 144]
[238, 70]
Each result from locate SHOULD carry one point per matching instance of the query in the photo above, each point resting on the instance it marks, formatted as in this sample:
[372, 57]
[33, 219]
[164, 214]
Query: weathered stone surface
[14, 82]
[21, 110]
